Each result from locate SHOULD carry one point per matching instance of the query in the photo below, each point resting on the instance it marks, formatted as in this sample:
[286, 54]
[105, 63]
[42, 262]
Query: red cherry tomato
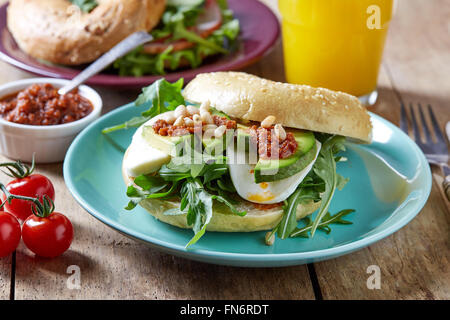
[48, 237]
[35, 185]
[9, 233]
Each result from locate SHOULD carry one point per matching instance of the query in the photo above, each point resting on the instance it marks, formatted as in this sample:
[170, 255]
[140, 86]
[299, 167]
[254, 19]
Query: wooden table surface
[414, 262]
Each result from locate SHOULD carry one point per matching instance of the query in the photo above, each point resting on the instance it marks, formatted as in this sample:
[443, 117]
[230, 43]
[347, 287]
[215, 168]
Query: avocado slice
[216, 146]
[268, 170]
[167, 144]
[243, 137]
[163, 143]
[216, 112]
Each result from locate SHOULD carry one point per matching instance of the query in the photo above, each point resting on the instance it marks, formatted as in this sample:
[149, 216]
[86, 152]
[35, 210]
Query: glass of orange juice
[335, 44]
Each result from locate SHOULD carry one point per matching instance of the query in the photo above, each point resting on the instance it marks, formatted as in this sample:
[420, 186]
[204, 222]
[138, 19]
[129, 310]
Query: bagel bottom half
[223, 219]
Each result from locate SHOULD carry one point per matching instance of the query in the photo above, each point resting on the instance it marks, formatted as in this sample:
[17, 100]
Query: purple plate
[259, 31]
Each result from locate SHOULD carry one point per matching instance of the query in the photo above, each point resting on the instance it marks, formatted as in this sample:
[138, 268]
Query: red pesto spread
[41, 105]
[269, 148]
[165, 129]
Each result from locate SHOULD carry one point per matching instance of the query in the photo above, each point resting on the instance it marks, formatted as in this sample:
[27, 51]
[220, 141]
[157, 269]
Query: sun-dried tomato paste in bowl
[35, 121]
[40, 104]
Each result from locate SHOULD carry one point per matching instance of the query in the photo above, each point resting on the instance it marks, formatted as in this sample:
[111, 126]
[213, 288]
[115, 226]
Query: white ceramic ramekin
[49, 143]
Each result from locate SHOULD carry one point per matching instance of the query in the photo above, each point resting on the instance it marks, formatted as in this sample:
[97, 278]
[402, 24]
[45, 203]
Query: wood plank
[5, 277]
[417, 55]
[413, 261]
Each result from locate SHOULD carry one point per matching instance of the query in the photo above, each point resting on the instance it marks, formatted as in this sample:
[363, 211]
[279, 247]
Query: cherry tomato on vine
[35, 185]
[25, 184]
[48, 236]
[9, 233]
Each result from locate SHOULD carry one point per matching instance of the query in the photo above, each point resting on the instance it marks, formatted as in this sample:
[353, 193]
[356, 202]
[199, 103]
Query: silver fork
[435, 152]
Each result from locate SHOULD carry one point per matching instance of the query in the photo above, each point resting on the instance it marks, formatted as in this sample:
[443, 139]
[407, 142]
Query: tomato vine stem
[18, 169]
[40, 209]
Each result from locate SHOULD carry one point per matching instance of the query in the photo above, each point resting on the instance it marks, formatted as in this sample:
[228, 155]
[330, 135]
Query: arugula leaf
[136, 63]
[325, 168]
[189, 55]
[318, 185]
[161, 60]
[199, 211]
[150, 183]
[223, 4]
[149, 190]
[229, 205]
[324, 224]
[199, 203]
[197, 198]
[214, 171]
[172, 175]
[289, 221]
[159, 97]
[229, 30]
[185, 12]
[226, 185]
[180, 32]
[85, 5]
[132, 123]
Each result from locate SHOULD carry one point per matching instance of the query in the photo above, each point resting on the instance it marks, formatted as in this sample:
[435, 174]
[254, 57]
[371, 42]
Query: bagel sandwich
[70, 32]
[233, 152]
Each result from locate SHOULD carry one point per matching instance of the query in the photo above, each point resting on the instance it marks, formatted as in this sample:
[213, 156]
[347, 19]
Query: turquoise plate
[390, 182]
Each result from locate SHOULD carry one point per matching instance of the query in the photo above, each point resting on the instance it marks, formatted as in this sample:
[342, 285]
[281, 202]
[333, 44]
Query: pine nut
[196, 118]
[181, 111]
[188, 122]
[205, 106]
[169, 117]
[280, 133]
[208, 133]
[220, 131]
[192, 110]
[206, 117]
[209, 127]
[268, 122]
[179, 121]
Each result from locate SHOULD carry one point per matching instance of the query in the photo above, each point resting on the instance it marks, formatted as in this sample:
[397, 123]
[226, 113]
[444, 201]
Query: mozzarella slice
[243, 179]
[142, 158]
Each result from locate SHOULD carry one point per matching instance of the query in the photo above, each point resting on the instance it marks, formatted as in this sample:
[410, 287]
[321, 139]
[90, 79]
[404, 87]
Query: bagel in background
[55, 31]
[248, 97]
[223, 219]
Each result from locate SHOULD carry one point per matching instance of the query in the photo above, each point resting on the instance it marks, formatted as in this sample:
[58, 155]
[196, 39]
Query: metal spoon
[122, 48]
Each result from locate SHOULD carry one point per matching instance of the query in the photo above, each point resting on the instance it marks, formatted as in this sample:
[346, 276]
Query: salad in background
[189, 32]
